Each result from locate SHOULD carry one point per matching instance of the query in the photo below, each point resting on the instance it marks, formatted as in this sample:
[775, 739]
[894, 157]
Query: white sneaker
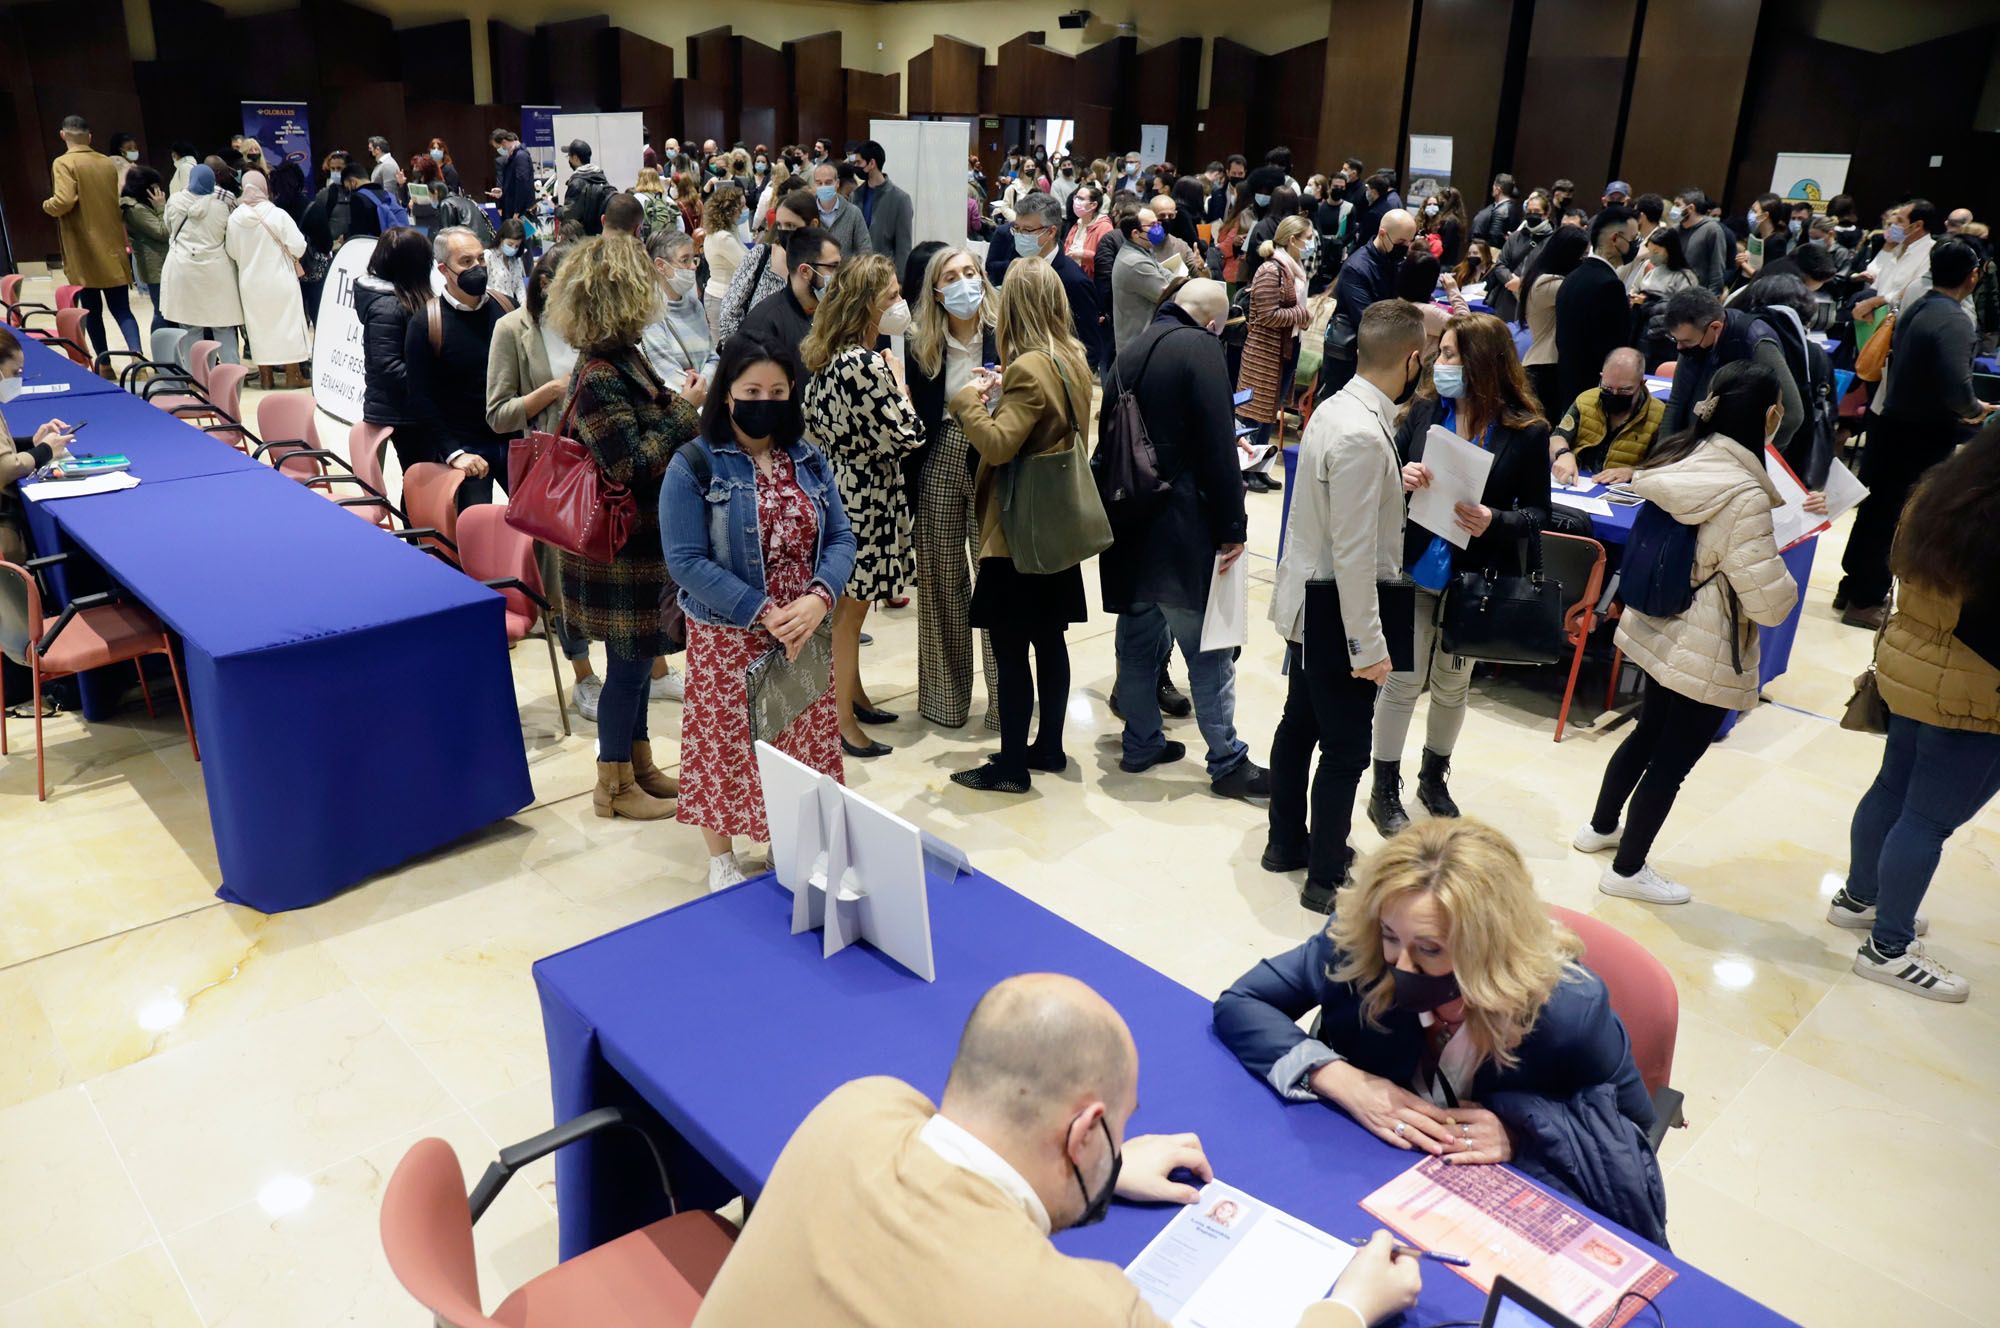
[723, 872]
[583, 697]
[673, 686]
[1645, 885]
[1913, 971]
[1589, 841]
[1855, 916]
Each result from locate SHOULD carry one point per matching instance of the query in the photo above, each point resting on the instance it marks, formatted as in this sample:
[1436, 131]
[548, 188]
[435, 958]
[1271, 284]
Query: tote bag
[1050, 510]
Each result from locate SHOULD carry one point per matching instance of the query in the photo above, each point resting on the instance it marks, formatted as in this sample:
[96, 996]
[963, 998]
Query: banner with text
[280, 128]
[538, 134]
[340, 370]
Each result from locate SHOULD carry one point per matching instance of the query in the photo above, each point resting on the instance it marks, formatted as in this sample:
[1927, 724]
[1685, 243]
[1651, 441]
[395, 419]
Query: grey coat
[892, 229]
[849, 230]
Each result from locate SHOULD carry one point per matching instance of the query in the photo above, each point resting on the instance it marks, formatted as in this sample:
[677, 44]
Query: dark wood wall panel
[1933, 93]
[711, 91]
[273, 56]
[361, 111]
[1574, 78]
[819, 88]
[574, 52]
[766, 99]
[1104, 75]
[437, 60]
[921, 87]
[871, 97]
[1367, 64]
[1461, 63]
[64, 57]
[519, 78]
[1167, 83]
[1807, 94]
[463, 125]
[187, 30]
[1034, 79]
[1687, 90]
[1232, 77]
[955, 67]
[354, 46]
[1291, 83]
[645, 72]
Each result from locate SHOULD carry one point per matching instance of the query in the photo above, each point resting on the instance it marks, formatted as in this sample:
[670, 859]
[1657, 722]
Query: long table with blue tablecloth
[720, 1030]
[352, 696]
[54, 375]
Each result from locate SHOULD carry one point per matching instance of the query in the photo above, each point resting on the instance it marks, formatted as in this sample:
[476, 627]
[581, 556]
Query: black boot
[1431, 791]
[1385, 804]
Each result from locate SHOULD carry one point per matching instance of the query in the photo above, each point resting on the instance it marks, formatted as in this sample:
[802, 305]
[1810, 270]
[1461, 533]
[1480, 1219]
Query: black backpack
[1126, 464]
[587, 205]
[1656, 577]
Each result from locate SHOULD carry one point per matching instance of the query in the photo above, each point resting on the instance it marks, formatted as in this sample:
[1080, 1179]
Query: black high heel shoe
[872, 750]
[869, 715]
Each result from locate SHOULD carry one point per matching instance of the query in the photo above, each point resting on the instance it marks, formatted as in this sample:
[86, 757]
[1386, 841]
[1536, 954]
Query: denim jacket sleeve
[836, 545]
[691, 559]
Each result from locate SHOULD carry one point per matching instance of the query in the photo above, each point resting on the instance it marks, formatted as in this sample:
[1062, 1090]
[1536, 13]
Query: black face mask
[1616, 403]
[1399, 252]
[1095, 1206]
[1410, 384]
[759, 419]
[1422, 991]
[472, 282]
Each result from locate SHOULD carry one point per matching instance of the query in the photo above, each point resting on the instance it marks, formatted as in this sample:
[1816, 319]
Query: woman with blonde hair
[721, 247]
[604, 296]
[858, 412]
[951, 334]
[1038, 406]
[1454, 1018]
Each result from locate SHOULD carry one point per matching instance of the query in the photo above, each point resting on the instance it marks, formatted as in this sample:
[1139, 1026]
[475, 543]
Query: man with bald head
[1368, 275]
[1609, 428]
[1161, 563]
[885, 1211]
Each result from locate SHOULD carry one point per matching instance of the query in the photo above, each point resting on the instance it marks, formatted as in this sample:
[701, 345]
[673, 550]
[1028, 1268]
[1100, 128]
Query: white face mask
[131, 154]
[896, 319]
[9, 389]
[680, 281]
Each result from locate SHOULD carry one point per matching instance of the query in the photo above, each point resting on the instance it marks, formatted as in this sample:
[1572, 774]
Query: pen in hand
[1412, 1252]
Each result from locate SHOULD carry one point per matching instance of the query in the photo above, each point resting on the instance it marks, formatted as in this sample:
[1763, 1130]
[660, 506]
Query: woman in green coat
[143, 201]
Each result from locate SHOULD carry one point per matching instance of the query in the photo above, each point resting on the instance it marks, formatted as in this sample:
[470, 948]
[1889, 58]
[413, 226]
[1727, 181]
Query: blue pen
[1411, 1251]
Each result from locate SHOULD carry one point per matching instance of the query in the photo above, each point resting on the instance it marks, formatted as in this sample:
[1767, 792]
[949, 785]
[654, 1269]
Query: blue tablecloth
[352, 695]
[724, 1030]
[160, 446]
[41, 365]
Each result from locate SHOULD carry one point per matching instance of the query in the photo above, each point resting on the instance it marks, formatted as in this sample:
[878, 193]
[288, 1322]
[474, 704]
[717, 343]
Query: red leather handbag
[556, 493]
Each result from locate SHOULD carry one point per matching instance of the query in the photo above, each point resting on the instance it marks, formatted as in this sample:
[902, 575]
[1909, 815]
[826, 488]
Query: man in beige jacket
[85, 206]
[885, 1211]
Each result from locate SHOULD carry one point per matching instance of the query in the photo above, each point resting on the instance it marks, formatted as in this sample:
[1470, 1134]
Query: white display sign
[928, 159]
[340, 368]
[1430, 154]
[1812, 176]
[617, 144]
[1152, 145]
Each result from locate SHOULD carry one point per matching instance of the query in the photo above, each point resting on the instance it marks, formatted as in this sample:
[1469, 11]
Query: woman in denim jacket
[758, 543]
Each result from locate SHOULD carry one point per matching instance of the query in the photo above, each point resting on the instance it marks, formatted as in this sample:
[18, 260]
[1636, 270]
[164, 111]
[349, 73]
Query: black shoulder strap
[699, 461]
[1119, 374]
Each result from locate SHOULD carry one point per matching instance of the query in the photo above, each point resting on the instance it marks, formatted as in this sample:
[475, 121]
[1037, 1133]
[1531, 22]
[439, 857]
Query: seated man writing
[1609, 428]
[884, 1210]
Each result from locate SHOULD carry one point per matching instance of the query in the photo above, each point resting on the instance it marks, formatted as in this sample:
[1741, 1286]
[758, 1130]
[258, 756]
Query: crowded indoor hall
[933, 662]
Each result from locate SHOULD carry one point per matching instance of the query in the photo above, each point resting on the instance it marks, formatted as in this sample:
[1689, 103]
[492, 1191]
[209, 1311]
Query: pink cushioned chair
[1643, 995]
[291, 436]
[430, 498]
[655, 1277]
[492, 551]
[365, 445]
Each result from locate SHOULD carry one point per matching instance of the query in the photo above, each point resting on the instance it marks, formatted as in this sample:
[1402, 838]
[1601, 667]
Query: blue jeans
[621, 706]
[574, 645]
[1142, 643]
[1932, 781]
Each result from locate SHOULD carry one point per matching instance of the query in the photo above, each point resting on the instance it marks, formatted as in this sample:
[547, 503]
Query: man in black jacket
[1593, 311]
[1037, 233]
[516, 193]
[784, 318]
[1925, 408]
[446, 352]
[1159, 569]
[1368, 275]
[588, 192]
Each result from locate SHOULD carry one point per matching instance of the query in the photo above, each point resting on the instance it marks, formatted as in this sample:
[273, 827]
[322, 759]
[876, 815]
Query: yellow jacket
[85, 206]
[1584, 427]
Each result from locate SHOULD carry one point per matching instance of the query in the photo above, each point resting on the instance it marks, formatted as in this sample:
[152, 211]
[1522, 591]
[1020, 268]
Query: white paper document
[1458, 475]
[1254, 457]
[83, 488]
[1578, 503]
[1230, 1261]
[43, 389]
[1226, 623]
[1582, 484]
[1843, 491]
[1790, 522]
[1176, 265]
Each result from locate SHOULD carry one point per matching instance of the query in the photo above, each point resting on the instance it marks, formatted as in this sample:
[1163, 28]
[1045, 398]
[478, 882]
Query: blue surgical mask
[510, 249]
[1156, 234]
[1026, 245]
[1449, 380]
[437, 154]
[1794, 226]
[1751, 217]
[963, 297]
[1897, 234]
[1263, 200]
[1675, 215]
[826, 193]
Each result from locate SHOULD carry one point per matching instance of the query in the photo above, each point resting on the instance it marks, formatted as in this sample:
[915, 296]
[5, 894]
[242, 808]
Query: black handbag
[1504, 619]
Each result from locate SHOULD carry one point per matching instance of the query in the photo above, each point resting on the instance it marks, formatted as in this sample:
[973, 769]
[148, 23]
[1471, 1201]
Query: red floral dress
[719, 786]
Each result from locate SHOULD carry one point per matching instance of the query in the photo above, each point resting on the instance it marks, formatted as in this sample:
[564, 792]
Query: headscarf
[201, 181]
[255, 189]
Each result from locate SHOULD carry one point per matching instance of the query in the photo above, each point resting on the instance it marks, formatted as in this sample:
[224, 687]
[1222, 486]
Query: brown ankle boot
[264, 376]
[617, 795]
[649, 776]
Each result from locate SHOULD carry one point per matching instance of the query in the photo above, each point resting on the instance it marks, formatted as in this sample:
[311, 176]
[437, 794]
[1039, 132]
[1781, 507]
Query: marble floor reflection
[200, 1105]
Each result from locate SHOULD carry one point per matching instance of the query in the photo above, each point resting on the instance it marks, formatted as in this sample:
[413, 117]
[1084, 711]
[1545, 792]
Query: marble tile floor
[200, 1105]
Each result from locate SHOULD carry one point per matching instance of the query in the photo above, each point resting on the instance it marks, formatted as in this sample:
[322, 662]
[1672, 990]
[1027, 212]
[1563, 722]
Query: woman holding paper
[759, 544]
[1700, 663]
[1455, 1019]
[1477, 393]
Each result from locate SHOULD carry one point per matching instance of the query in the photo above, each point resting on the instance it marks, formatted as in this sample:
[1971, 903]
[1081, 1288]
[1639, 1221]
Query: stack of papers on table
[1508, 1228]
[44, 490]
[1576, 502]
[1230, 1261]
[42, 389]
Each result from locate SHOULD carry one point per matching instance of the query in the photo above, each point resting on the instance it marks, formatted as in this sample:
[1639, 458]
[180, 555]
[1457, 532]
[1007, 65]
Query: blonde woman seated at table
[759, 544]
[1455, 1020]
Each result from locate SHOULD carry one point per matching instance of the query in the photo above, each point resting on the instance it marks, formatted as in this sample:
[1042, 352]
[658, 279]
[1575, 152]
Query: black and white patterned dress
[858, 416]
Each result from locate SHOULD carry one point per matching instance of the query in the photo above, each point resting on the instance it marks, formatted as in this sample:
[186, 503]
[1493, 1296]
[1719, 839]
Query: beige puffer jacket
[1721, 487]
[1926, 673]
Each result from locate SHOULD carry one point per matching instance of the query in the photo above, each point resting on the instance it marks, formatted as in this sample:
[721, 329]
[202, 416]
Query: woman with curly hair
[857, 408]
[721, 247]
[603, 297]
